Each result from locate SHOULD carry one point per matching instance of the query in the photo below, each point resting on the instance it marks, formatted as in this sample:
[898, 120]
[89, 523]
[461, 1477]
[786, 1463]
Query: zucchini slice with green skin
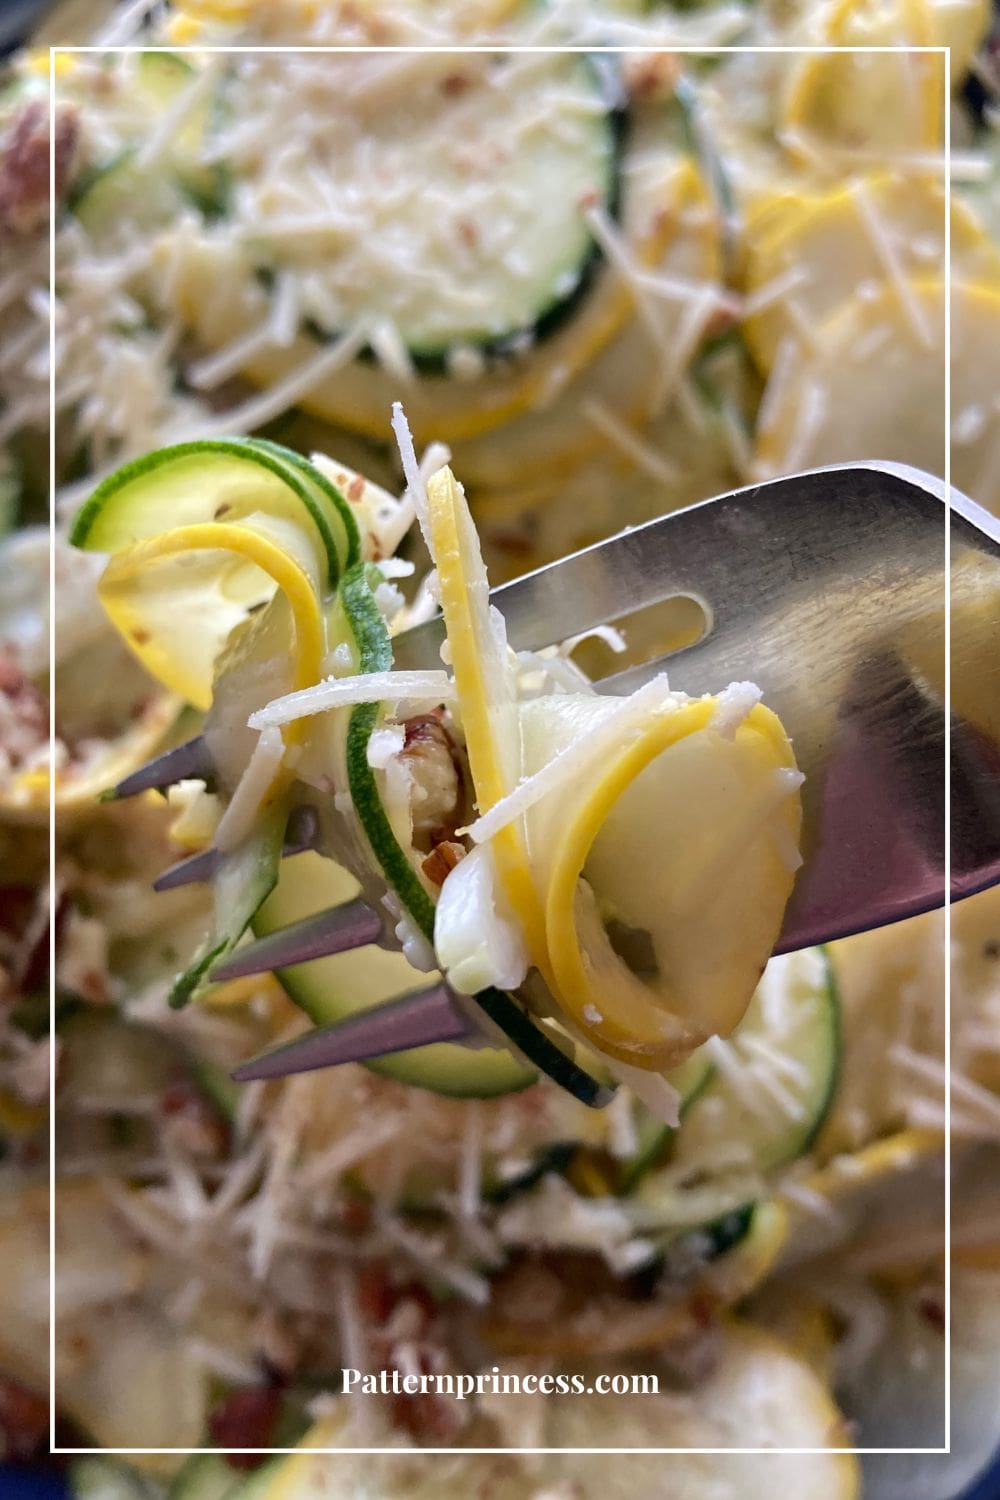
[326, 494]
[118, 188]
[331, 988]
[245, 879]
[192, 483]
[651, 1134]
[122, 187]
[546, 140]
[775, 1077]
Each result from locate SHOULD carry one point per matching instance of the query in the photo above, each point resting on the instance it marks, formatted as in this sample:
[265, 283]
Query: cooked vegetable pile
[602, 286]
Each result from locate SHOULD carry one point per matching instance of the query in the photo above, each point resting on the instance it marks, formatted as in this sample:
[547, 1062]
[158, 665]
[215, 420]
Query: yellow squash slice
[874, 385]
[868, 102]
[834, 243]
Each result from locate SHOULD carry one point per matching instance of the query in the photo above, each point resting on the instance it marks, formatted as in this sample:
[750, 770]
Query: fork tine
[200, 866]
[302, 833]
[188, 760]
[336, 930]
[415, 1020]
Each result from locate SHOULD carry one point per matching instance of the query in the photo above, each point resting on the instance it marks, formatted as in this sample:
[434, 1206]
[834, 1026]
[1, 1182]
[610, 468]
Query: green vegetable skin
[809, 1038]
[125, 187]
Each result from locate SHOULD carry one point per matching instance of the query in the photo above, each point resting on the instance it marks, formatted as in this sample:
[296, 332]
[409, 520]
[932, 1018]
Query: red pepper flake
[454, 85]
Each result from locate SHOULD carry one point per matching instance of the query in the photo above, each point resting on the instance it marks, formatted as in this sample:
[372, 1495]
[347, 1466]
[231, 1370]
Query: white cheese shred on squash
[629, 714]
[431, 687]
[628, 442]
[885, 251]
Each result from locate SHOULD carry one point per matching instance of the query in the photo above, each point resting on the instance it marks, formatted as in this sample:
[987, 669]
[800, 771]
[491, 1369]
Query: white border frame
[474, 48]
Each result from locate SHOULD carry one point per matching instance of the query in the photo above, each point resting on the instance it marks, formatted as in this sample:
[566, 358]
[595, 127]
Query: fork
[827, 589]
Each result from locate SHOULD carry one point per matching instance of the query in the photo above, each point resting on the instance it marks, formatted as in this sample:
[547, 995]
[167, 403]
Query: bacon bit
[356, 490]
[468, 233]
[442, 860]
[246, 1418]
[191, 1121]
[24, 165]
[651, 75]
[24, 1421]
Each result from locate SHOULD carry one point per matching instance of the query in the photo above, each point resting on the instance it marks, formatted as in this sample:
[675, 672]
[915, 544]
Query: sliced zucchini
[216, 1085]
[327, 495]
[332, 988]
[651, 1134]
[831, 242]
[213, 480]
[845, 98]
[775, 1077]
[211, 290]
[124, 188]
[108, 192]
[203, 533]
[160, 78]
[497, 164]
[245, 879]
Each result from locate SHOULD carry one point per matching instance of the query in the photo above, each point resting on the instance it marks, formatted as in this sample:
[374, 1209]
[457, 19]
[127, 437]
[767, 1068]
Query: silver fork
[827, 589]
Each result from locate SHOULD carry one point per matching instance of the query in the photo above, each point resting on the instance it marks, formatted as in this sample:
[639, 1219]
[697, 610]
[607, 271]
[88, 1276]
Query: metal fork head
[827, 589]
